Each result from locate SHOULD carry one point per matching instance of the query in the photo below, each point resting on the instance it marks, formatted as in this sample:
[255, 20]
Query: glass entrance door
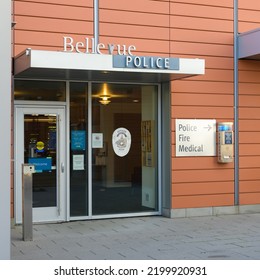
[40, 140]
[124, 149]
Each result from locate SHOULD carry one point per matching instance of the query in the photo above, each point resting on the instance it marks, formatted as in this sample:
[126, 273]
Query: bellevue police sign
[195, 137]
[122, 55]
[90, 61]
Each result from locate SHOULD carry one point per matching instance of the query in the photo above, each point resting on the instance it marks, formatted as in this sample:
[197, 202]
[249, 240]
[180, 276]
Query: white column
[5, 128]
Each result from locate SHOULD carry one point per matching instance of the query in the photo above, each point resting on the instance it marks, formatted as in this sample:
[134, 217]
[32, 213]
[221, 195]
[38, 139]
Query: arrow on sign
[209, 127]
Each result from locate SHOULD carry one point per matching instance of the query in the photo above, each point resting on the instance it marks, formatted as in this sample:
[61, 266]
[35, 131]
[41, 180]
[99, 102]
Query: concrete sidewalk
[215, 237]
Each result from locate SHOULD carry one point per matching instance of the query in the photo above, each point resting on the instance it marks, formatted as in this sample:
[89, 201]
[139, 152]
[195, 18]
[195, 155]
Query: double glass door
[113, 149]
[109, 153]
[40, 140]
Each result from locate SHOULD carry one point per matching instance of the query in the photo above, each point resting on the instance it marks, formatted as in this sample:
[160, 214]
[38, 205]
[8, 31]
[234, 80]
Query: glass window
[78, 149]
[39, 90]
[124, 142]
[40, 150]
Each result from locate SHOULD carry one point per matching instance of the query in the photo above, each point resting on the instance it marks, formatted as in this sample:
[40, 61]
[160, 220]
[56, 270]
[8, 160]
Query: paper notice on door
[78, 162]
[97, 140]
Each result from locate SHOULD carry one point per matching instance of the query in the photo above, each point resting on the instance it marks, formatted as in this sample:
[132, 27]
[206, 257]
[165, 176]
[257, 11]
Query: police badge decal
[121, 141]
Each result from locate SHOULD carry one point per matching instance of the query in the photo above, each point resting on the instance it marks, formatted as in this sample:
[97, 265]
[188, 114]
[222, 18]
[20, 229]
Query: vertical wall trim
[67, 156]
[5, 127]
[96, 22]
[90, 150]
[236, 104]
[159, 145]
[166, 152]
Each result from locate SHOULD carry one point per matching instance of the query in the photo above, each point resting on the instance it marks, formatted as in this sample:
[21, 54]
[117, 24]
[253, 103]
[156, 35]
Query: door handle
[62, 168]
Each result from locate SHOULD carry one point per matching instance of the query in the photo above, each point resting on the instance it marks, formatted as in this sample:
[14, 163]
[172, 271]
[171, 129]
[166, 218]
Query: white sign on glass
[121, 141]
[78, 162]
[97, 140]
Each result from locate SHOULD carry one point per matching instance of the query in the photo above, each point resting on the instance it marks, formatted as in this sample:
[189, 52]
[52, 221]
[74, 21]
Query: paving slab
[214, 237]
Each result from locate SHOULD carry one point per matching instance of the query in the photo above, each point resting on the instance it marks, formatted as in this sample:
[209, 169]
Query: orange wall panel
[246, 88]
[201, 49]
[249, 4]
[143, 47]
[249, 125]
[133, 18]
[249, 187]
[191, 163]
[199, 112]
[12, 210]
[157, 7]
[244, 27]
[189, 176]
[249, 198]
[202, 201]
[249, 76]
[203, 188]
[196, 23]
[248, 14]
[250, 161]
[249, 113]
[42, 24]
[54, 40]
[204, 31]
[47, 10]
[52, 25]
[198, 99]
[218, 63]
[201, 11]
[203, 87]
[249, 174]
[249, 150]
[217, 75]
[201, 36]
[82, 3]
[249, 137]
[249, 100]
[134, 31]
[250, 65]
[144, 24]
[215, 3]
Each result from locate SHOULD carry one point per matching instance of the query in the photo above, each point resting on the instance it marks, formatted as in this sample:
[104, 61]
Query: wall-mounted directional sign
[195, 137]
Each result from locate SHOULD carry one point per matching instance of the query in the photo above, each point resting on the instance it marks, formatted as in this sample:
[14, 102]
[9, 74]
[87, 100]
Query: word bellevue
[91, 47]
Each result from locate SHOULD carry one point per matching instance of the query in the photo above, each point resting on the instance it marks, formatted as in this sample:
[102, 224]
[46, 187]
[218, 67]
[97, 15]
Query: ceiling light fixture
[104, 97]
[104, 100]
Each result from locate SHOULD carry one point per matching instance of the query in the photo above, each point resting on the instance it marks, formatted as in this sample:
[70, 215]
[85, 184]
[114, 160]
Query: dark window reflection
[78, 149]
[40, 150]
[124, 184]
[39, 90]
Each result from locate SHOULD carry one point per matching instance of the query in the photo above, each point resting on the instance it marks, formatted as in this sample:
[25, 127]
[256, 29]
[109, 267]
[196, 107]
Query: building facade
[5, 114]
[119, 106]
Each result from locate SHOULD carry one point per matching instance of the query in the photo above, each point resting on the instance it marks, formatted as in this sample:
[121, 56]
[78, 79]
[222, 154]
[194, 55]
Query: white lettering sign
[89, 46]
[147, 62]
[195, 137]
